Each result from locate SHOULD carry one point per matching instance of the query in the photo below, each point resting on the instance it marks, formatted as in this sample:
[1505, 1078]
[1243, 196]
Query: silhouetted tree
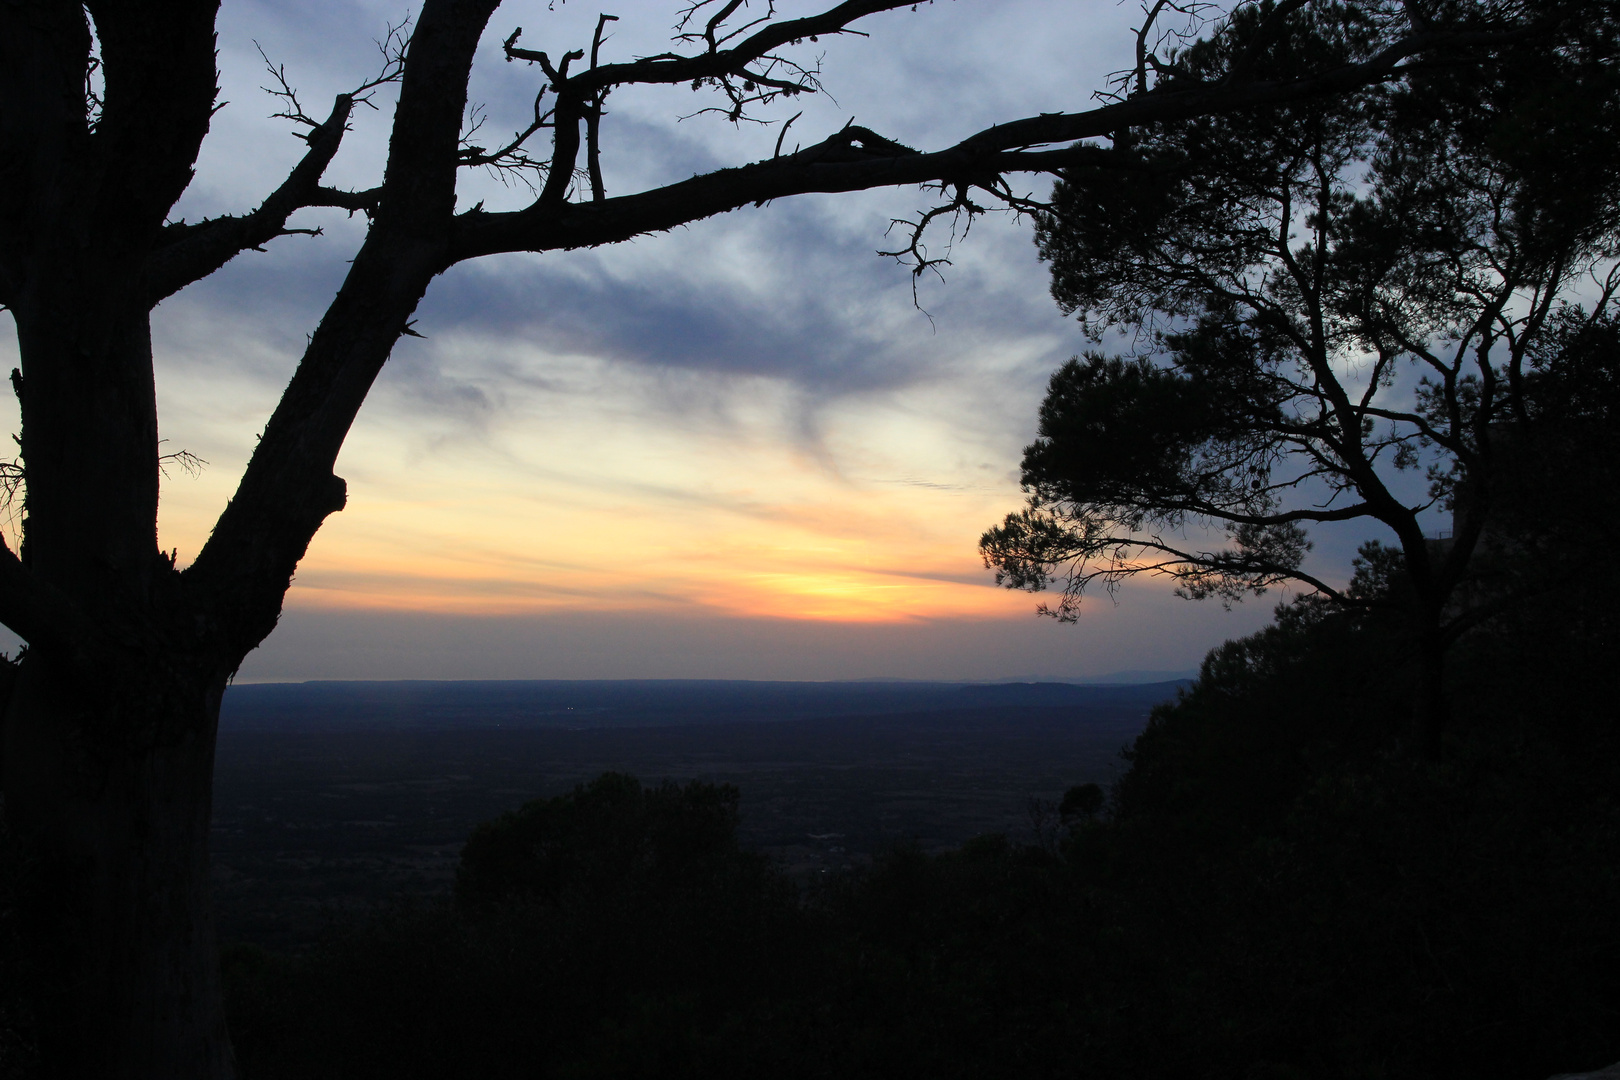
[1081, 802]
[609, 836]
[110, 730]
[1287, 270]
[1560, 496]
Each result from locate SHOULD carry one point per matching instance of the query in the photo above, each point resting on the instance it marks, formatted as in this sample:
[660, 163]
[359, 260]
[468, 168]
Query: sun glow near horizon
[605, 488]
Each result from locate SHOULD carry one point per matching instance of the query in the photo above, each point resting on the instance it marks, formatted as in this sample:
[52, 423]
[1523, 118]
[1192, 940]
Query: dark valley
[331, 798]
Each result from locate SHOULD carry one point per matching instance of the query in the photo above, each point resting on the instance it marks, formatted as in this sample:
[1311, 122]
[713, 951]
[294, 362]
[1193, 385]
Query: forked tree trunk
[108, 788]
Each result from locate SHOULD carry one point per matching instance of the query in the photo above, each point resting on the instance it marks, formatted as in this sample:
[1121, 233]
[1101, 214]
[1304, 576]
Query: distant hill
[1136, 677]
[587, 704]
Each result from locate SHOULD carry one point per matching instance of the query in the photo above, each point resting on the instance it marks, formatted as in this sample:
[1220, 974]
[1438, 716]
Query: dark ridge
[585, 704]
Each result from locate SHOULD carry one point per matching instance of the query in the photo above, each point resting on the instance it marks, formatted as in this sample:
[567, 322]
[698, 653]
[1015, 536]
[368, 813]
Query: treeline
[1277, 887]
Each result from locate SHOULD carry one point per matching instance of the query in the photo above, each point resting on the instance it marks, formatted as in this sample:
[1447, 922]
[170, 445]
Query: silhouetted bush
[614, 931]
[609, 839]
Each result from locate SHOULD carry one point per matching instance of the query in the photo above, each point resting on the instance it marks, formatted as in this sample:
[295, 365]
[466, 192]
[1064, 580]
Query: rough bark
[109, 731]
[108, 787]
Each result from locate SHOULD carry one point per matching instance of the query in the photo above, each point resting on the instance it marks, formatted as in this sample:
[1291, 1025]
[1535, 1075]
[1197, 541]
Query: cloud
[695, 321]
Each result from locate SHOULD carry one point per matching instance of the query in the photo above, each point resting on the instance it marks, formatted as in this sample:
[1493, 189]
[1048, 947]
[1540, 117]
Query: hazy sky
[737, 450]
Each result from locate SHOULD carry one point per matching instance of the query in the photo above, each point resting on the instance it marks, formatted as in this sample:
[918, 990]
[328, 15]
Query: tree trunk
[108, 787]
[1427, 592]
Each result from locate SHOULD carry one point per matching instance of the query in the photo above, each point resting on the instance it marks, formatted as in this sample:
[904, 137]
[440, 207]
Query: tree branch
[288, 488]
[717, 62]
[1226, 574]
[37, 612]
[855, 159]
[188, 253]
[195, 251]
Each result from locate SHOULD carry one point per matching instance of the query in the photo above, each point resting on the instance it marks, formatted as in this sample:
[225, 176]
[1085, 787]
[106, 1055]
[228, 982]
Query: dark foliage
[1563, 494]
[1358, 913]
[1322, 295]
[614, 931]
[606, 839]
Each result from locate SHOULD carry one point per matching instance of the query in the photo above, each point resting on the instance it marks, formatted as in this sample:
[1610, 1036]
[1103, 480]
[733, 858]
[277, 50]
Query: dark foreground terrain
[334, 797]
[1274, 887]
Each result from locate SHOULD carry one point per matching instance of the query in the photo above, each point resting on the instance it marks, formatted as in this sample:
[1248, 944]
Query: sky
[738, 450]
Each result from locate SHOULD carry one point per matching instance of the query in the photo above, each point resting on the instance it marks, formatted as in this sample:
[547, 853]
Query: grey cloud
[415, 381]
[840, 320]
[691, 320]
[675, 322]
[830, 321]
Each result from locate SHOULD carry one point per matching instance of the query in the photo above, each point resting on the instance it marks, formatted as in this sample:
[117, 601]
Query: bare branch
[1173, 37]
[511, 160]
[195, 251]
[394, 47]
[292, 108]
[782, 134]
[362, 201]
[190, 252]
[749, 72]
[188, 462]
[855, 159]
[593, 117]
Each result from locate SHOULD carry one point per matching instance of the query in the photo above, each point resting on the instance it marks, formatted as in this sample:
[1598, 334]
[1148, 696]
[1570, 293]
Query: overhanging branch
[854, 160]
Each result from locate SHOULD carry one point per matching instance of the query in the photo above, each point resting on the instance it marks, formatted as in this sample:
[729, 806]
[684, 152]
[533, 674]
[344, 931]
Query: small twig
[783, 133]
[393, 47]
[593, 118]
[191, 463]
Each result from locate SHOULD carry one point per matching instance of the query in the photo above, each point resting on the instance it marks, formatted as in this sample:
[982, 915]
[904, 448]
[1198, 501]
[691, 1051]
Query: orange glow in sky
[587, 504]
